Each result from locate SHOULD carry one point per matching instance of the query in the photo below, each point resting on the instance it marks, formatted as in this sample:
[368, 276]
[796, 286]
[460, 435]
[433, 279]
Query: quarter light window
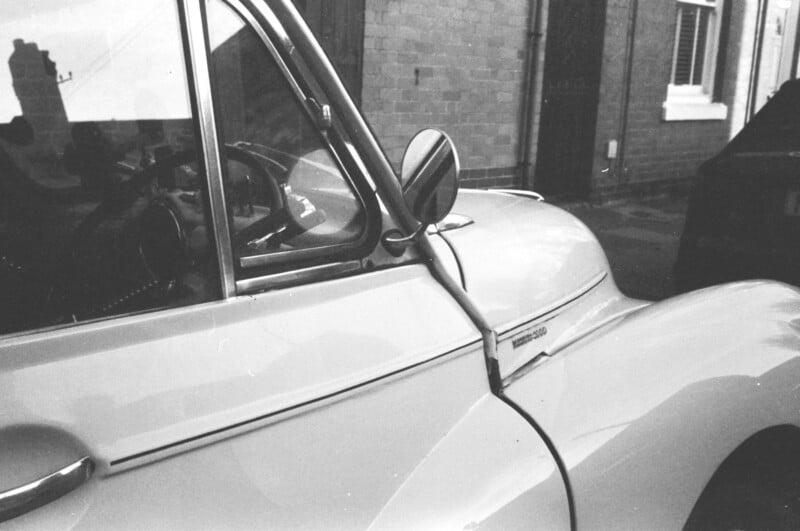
[102, 201]
[694, 58]
[287, 195]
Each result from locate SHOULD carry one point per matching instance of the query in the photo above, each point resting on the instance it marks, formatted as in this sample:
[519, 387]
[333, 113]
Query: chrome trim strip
[25, 498]
[514, 326]
[521, 193]
[124, 463]
[452, 221]
[208, 137]
[308, 274]
[557, 347]
[284, 257]
[356, 157]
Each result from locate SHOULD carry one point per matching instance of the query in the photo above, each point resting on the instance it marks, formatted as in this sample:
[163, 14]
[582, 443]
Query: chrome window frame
[191, 35]
[198, 53]
[309, 264]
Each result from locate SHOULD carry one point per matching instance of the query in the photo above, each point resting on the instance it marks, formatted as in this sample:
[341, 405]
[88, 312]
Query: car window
[284, 188]
[103, 203]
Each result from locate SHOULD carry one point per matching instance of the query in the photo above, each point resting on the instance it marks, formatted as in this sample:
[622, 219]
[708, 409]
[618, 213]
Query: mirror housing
[429, 179]
[429, 176]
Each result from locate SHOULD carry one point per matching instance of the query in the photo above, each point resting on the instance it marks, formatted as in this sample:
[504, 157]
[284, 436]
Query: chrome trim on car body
[521, 193]
[124, 463]
[452, 221]
[558, 346]
[355, 156]
[512, 328]
[264, 260]
[196, 35]
[19, 500]
[309, 274]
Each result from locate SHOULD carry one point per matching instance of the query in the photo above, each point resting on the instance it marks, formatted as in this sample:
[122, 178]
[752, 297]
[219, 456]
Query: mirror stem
[396, 244]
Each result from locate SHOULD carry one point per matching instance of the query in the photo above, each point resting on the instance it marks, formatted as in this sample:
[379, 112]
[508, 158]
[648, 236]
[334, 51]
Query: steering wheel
[156, 244]
[131, 190]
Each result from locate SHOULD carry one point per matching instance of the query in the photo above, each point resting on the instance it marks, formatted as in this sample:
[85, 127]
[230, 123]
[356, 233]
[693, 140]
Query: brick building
[567, 97]
[455, 65]
[694, 72]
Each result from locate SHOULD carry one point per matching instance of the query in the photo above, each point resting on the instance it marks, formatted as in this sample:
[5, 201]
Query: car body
[201, 335]
[743, 218]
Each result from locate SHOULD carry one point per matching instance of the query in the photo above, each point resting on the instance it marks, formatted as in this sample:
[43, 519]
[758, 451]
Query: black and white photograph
[400, 265]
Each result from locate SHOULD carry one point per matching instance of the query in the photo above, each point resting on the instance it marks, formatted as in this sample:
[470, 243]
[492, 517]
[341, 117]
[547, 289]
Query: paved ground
[640, 238]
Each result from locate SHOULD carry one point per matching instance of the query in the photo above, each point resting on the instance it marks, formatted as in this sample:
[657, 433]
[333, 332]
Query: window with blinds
[694, 62]
[691, 39]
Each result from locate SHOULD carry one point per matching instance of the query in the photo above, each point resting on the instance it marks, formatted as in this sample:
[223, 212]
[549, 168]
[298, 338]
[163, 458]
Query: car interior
[104, 203]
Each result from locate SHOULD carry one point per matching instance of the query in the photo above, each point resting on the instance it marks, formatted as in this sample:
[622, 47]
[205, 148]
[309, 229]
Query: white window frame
[695, 102]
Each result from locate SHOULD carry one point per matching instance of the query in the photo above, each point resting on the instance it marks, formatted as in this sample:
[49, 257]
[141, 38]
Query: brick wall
[657, 152]
[456, 65]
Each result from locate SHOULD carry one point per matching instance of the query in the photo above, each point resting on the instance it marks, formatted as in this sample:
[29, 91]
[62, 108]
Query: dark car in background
[743, 217]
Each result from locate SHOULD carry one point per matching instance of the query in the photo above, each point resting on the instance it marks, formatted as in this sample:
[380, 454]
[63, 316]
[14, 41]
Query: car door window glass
[285, 190]
[102, 203]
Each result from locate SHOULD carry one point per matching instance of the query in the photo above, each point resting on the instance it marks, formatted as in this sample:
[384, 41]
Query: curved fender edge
[643, 411]
[490, 471]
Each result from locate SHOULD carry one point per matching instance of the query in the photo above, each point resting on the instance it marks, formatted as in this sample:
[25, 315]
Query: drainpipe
[626, 91]
[755, 71]
[529, 86]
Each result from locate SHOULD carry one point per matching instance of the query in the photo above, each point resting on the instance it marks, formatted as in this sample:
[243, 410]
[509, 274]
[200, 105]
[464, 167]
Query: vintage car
[743, 219]
[221, 308]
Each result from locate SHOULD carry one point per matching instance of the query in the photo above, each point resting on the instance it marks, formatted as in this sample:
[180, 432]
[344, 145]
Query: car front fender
[643, 411]
[490, 471]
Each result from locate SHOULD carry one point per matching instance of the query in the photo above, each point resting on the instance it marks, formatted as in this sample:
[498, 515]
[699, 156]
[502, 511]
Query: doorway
[570, 95]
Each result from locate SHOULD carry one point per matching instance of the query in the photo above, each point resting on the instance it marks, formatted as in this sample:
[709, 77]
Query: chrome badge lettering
[527, 337]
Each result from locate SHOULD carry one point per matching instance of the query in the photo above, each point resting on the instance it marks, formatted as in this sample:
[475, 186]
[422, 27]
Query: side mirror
[429, 176]
[429, 179]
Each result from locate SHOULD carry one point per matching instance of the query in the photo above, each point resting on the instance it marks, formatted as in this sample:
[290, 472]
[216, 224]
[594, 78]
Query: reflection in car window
[285, 191]
[103, 209]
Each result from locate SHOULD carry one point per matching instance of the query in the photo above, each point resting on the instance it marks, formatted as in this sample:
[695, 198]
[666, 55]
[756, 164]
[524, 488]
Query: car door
[201, 327]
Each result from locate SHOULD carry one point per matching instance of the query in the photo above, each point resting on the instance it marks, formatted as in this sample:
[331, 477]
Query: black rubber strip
[562, 468]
